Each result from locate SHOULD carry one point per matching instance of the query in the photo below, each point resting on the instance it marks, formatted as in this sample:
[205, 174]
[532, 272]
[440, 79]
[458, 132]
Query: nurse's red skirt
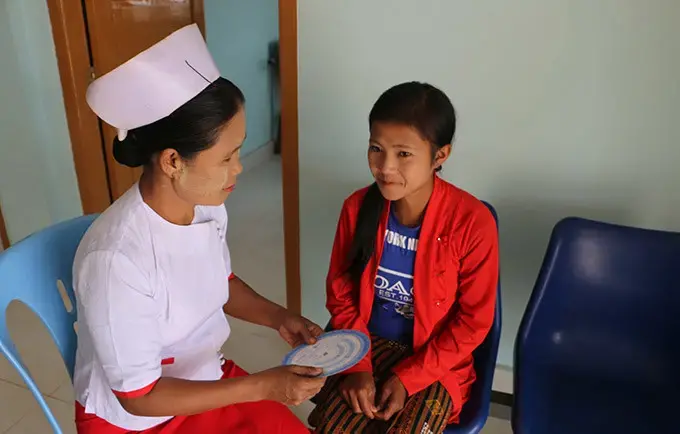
[251, 417]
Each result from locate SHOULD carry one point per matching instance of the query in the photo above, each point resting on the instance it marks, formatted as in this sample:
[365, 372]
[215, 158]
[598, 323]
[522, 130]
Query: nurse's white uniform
[150, 297]
[150, 293]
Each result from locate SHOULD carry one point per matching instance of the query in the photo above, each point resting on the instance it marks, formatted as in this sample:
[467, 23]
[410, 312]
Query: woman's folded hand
[358, 390]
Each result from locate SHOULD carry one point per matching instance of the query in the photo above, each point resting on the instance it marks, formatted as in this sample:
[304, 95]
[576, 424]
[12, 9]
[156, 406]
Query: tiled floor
[256, 242]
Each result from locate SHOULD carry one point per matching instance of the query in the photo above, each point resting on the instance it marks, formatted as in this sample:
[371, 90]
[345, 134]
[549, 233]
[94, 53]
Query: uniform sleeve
[472, 315]
[118, 309]
[342, 296]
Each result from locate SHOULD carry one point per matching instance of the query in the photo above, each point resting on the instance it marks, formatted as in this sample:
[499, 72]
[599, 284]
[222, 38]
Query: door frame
[288, 54]
[4, 237]
[73, 59]
[75, 71]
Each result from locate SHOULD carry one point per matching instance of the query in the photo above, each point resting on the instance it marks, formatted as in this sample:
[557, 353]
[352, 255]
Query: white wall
[38, 185]
[565, 108]
[238, 34]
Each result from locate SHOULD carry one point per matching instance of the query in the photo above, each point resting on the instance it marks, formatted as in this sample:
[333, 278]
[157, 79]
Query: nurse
[153, 276]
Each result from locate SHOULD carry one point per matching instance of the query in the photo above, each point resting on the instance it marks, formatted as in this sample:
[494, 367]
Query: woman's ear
[442, 155]
[171, 163]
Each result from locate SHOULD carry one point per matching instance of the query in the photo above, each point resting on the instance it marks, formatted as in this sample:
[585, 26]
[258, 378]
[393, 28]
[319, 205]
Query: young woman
[415, 265]
[153, 276]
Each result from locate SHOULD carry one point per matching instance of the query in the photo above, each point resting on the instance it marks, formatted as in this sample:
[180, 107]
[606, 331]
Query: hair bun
[129, 151]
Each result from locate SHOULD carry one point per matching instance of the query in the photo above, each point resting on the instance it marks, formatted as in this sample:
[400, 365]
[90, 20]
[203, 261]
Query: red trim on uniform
[168, 361]
[136, 393]
[232, 276]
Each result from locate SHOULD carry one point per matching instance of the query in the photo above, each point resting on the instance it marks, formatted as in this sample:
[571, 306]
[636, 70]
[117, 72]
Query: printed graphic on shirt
[402, 241]
[397, 288]
[392, 315]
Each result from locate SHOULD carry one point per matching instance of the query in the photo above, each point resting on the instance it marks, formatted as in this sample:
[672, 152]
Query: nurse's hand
[298, 330]
[290, 385]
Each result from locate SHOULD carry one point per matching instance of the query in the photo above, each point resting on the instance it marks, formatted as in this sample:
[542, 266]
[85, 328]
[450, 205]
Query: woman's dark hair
[422, 107]
[190, 129]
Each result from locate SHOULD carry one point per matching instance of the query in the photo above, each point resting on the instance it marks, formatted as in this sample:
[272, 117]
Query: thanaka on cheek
[204, 184]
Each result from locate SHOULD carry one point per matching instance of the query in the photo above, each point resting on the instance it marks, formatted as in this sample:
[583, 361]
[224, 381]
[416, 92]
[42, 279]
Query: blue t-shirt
[392, 314]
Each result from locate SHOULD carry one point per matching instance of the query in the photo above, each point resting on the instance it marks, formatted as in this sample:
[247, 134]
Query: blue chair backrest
[29, 273]
[606, 306]
[476, 410]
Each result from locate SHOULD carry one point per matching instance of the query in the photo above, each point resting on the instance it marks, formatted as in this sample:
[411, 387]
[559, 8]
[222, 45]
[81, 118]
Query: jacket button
[437, 303]
[439, 238]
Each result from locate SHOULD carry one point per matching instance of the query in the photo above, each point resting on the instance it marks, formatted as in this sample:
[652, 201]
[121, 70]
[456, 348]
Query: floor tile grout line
[29, 412]
[23, 416]
[15, 424]
[45, 395]
[6, 381]
[59, 399]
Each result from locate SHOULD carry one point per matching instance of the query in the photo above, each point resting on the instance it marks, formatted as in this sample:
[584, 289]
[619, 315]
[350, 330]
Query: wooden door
[4, 238]
[120, 29]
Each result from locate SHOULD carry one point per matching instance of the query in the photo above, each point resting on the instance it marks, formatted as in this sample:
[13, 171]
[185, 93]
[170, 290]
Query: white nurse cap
[155, 83]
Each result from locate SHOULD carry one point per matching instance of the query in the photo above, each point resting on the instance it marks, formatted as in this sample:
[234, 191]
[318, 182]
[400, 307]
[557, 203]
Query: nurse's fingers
[306, 371]
[314, 329]
[315, 386]
[306, 335]
[306, 389]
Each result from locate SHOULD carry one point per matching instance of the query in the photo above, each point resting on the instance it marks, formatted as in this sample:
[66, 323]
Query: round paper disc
[334, 352]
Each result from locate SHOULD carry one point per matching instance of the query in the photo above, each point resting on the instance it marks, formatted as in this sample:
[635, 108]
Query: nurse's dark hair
[427, 110]
[190, 129]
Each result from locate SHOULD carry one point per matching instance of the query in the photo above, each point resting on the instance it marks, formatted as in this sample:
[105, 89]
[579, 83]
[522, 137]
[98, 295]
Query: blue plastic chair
[476, 410]
[597, 350]
[29, 272]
